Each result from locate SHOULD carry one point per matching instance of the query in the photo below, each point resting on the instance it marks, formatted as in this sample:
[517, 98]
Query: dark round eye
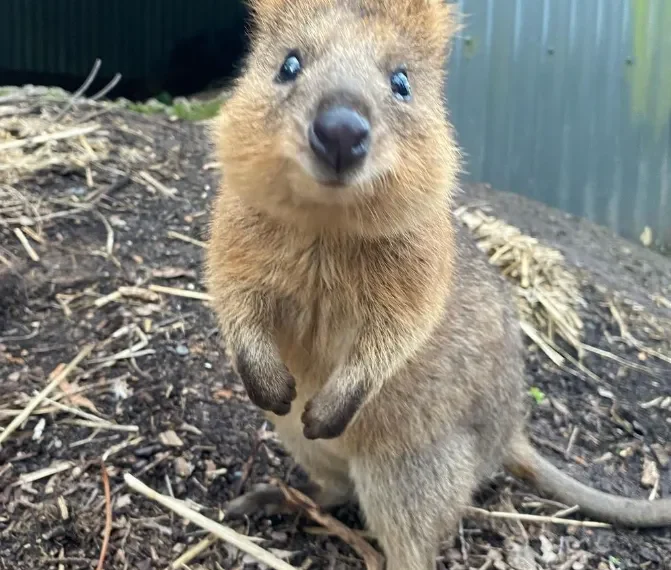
[290, 68]
[400, 86]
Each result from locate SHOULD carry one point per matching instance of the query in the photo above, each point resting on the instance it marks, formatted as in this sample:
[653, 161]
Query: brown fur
[364, 321]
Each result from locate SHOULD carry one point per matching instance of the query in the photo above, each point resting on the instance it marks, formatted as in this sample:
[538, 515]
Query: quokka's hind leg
[270, 500]
[412, 502]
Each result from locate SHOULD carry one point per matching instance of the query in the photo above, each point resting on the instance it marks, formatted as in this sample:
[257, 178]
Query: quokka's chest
[315, 333]
[317, 307]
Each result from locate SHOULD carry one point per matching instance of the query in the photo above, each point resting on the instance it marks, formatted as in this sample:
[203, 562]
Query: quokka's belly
[323, 459]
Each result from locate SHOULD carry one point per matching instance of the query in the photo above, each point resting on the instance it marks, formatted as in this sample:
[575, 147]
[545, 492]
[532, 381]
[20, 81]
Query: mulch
[102, 221]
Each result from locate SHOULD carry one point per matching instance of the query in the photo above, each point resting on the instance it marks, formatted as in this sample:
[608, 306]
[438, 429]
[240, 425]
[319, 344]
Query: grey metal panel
[569, 102]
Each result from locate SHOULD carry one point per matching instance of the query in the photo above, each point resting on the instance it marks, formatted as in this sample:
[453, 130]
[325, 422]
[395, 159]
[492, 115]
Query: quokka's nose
[340, 137]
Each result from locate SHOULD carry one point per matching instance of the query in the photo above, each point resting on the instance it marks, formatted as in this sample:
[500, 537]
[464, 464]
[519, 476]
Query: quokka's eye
[400, 85]
[290, 68]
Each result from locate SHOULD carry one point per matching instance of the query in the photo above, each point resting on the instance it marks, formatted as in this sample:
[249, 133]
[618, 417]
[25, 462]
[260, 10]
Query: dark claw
[273, 390]
[328, 420]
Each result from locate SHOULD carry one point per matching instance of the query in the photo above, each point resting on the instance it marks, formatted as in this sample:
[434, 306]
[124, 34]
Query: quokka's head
[338, 118]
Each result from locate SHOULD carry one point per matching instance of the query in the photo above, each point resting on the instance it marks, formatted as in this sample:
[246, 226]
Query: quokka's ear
[433, 23]
[438, 18]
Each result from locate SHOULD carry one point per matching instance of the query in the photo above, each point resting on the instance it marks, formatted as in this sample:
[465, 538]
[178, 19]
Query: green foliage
[536, 394]
[181, 108]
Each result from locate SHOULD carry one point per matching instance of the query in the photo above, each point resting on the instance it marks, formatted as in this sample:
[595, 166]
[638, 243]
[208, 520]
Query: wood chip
[650, 474]
[170, 439]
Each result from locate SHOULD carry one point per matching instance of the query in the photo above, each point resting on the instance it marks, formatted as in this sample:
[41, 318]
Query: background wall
[564, 101]
[569, 102]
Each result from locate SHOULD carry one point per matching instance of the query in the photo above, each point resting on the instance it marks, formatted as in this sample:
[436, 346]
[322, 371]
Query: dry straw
[547, 292]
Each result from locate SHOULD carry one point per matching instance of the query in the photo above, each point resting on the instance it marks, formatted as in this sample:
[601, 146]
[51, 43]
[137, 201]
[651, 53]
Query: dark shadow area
[188, 50]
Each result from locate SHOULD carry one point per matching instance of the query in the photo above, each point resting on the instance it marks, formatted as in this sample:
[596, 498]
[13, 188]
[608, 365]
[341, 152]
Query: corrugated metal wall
[565, 101]
[129, 36]
[569, 102]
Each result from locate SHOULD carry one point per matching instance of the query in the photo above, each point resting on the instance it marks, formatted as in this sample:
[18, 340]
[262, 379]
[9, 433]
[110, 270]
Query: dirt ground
[159, 373]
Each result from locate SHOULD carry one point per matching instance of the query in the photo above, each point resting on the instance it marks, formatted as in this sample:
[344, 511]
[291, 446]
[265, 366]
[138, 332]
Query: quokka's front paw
[267, 381]
[327, 415]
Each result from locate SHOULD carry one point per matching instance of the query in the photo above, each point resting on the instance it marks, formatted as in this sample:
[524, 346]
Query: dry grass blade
[46, 137]
[297, 500]
[193, 552]
[627, 336]
[108, 517]
[535, 518]
[82, 89]
[27, 478]
[76, 411]
[187, 239]
[26, 244]
[220, 531]
[129, 292]
[103, 426]
[180, 292]
[536, 337]
[58, 377]
[156, 185]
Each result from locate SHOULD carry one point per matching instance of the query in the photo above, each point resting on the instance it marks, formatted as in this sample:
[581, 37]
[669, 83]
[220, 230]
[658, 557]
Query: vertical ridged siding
[569, 102]
[129, 36]
[565, 101]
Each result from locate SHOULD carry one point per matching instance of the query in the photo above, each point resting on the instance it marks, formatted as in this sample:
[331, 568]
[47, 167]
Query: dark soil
[184, 383]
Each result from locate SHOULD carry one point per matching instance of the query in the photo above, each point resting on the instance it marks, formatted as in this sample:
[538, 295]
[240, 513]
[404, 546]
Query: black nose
[340, 136]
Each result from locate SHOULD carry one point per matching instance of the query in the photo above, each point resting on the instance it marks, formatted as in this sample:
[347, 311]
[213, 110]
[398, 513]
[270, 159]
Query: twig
[26, 221]
[105, 90]
[162, 188]
[77, 412]
[103, 425]
[37, 400]
[181, 292]
[44, 473]
[98, 194]
[193, 552]
[571, 441]
[109, 243]
[558, 448]
[125, 291]
[626, 335]
[566, 512]
[535, 518]
[372, 559]
[187, 239]
[82, 89]
[536, 337]
[102, 301]
[624, 330]
[220, 531]
[622, 361]
[39, 139]
[108, 517]
[32, 235]
[462, 542]
[26, 244]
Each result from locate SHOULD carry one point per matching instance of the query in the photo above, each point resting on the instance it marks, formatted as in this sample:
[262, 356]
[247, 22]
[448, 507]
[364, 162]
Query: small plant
[537, 394]
[182, 108]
